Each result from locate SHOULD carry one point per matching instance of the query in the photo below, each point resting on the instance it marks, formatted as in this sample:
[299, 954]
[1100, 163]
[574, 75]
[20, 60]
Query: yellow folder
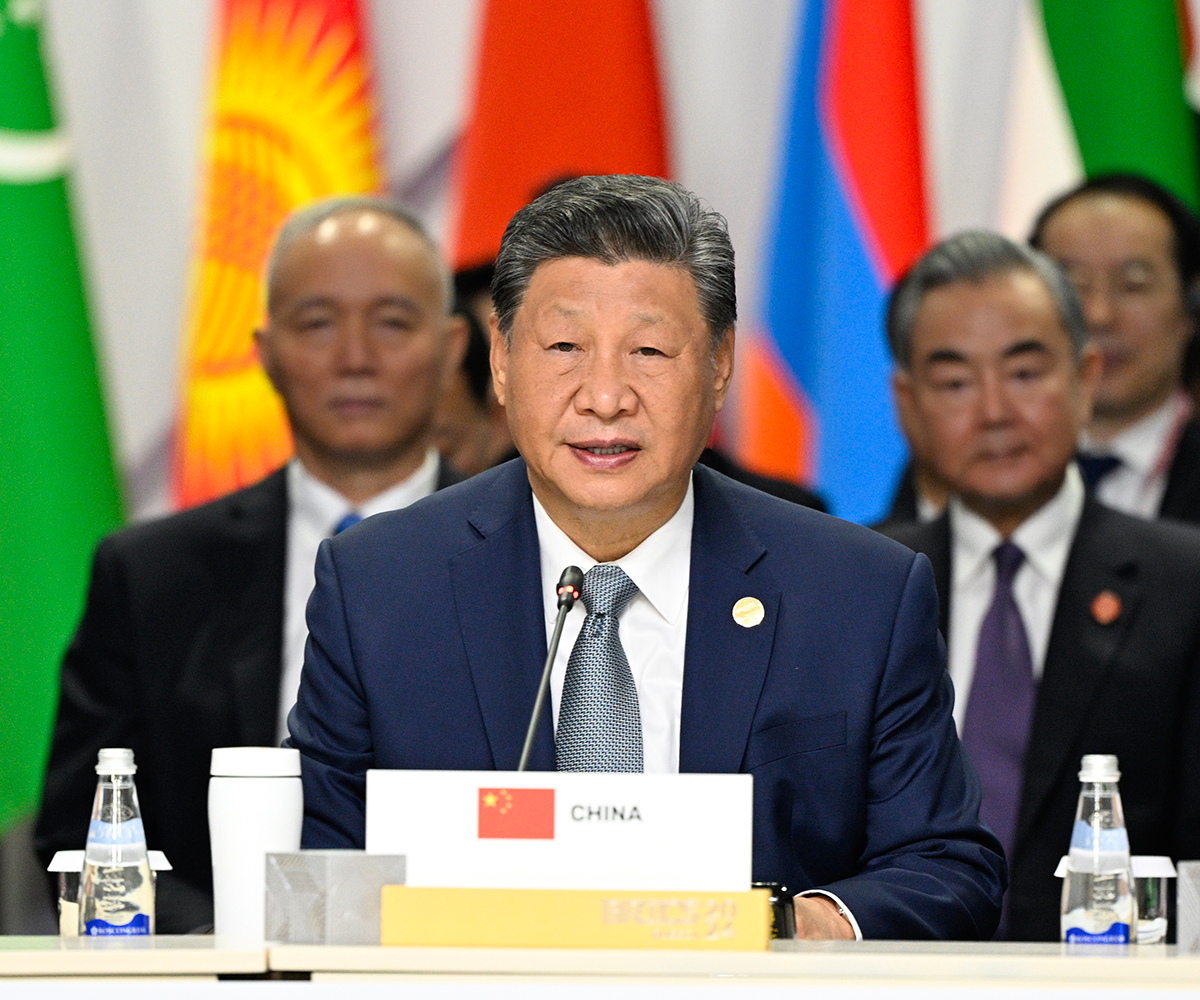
[575, 918]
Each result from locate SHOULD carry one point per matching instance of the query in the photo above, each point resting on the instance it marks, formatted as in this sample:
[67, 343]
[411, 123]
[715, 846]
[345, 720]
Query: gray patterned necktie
[599, 724]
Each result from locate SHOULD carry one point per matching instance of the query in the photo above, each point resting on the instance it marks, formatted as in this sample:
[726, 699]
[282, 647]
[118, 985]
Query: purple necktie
[1000, 704]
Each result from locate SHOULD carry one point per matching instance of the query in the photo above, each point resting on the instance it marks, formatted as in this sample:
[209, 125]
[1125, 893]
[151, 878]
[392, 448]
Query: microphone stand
[569, 586]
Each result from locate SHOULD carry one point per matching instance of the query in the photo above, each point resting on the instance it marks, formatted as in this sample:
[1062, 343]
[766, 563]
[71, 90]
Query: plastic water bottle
[1097, 904]
[116, 891]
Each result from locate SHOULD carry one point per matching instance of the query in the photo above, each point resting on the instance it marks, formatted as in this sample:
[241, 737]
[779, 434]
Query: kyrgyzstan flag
[561, 89]
[516, 813]
[291, 120]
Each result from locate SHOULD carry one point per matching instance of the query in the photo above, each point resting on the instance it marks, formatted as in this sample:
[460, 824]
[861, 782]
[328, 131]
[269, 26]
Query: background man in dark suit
[193, 634]
[1132, 251]
[612, 350]
[1071, 628]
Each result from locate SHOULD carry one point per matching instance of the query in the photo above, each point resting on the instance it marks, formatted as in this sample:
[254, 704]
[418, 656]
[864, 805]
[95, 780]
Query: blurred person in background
[471, 429]
[1132, 250]
[1070, 628]
[193, 633]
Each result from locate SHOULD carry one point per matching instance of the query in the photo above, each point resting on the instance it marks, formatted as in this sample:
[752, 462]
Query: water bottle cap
[1099, 767]
[255, 762]
[115, 760]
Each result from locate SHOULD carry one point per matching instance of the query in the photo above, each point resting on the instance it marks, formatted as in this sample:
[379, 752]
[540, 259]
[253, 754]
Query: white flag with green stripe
[58, 493]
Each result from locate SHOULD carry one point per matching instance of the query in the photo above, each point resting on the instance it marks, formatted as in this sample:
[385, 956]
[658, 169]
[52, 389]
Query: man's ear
[1191, 307]
[499, 359]
[456, 334]
[1089, 377]
[723, 367]
[262, 344]
[906, 409]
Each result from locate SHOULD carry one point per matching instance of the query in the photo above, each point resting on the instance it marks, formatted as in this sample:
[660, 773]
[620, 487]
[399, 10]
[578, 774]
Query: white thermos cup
[255, 807]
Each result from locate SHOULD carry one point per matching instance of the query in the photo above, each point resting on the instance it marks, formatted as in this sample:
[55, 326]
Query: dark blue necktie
[599, 721]
[349, 521]
[1095, 467]
[1000, 703]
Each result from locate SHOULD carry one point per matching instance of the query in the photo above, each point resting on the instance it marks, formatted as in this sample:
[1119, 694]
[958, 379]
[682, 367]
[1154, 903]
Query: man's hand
[817, 918]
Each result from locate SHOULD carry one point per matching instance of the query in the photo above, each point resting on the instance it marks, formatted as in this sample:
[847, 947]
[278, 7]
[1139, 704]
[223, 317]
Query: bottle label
[128, 832]
[1118, 933]
[140, 924]
[1084, 838]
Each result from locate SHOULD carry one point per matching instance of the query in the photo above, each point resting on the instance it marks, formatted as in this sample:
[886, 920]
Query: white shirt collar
[322, 507]
[1141, 445]
[1045, 537]
[658, 566]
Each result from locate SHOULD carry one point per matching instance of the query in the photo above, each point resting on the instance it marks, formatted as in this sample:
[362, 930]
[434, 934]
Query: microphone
[570, 585]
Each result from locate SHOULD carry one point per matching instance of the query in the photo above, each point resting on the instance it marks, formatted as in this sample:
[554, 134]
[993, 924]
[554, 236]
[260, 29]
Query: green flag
[58, 493]
[1120, 64]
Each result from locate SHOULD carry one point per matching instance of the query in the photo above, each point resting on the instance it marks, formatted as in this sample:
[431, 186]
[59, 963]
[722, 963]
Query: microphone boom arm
[569, 586]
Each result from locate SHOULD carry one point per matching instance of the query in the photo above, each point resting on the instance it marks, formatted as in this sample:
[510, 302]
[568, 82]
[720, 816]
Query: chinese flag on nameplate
[517, 813]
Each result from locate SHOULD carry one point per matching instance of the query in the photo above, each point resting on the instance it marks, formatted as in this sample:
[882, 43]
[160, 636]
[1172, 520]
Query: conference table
[183, 968]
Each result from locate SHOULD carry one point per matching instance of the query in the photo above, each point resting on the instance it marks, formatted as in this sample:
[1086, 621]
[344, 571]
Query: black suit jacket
[782, 488]
[904, 509]
[1181, 500]
[1130, 688]
[179, 651]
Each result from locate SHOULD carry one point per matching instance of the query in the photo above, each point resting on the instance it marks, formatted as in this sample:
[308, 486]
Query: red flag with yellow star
[516, 813]
[292, 120]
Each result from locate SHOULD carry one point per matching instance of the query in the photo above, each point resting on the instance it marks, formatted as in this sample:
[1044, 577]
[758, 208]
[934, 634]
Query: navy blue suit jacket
[426, 645]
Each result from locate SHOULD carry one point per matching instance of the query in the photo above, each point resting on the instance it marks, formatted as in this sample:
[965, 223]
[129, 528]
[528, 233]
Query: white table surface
[878, 961]
[155, 954]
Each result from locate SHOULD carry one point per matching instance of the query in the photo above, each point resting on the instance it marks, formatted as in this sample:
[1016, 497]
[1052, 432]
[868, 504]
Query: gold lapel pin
[748, 612]
[1106, 607]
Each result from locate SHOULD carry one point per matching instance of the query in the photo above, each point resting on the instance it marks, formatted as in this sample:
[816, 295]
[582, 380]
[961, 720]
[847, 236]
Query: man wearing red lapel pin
[1071, 628]
[719, 630]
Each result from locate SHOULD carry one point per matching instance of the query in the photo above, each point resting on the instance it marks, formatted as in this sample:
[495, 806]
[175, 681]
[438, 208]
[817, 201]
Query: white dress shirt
[653, 626]
[1046, 539]
[1146, 450]
[653, 629]
[314, 510]
[927, 510]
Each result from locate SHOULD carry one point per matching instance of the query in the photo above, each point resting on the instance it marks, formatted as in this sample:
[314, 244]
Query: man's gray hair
[976, 256]
[615, 219]
[305, 220]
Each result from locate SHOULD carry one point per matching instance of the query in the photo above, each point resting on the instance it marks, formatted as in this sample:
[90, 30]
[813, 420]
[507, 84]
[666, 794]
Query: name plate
[572, 918]
[563, 830]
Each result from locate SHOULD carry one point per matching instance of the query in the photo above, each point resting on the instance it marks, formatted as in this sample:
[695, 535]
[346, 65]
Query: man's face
[611, 387]
[357, 342]
[1118, 252]
[997, 393]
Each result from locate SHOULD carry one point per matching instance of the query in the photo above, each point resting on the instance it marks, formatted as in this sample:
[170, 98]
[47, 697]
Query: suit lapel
[1081, 651]
[447, 475]
[505, 635]
[939, 553]
[933, 539]
[1181, 499]
[725, 664]
[257, 525]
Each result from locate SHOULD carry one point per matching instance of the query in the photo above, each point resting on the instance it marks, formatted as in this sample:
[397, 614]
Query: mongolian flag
[292, 120]
[850, 218]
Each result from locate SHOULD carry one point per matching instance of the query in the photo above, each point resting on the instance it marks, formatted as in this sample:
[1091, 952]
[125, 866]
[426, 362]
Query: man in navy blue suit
[747, 634]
